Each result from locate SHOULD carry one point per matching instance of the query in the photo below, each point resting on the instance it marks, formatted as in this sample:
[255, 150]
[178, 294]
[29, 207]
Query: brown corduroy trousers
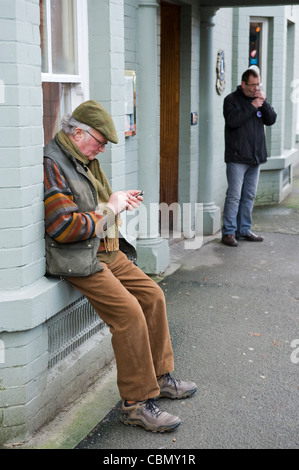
[133, 306]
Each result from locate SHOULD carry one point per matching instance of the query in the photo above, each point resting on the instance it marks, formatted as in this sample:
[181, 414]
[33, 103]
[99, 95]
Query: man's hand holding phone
[125, 200]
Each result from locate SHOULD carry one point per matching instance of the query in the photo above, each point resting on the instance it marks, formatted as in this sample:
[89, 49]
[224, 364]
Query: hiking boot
[172, 388]
[148, 415]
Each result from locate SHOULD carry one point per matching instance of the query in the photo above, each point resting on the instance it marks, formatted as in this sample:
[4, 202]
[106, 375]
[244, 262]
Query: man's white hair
[70, 124]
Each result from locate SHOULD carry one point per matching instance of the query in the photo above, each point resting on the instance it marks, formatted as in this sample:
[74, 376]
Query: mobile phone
[139, 194]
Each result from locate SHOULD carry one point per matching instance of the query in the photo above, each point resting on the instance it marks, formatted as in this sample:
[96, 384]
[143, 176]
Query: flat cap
[95, 115]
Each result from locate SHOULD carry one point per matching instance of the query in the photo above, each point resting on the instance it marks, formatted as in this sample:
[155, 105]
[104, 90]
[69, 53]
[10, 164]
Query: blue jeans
[242, 185]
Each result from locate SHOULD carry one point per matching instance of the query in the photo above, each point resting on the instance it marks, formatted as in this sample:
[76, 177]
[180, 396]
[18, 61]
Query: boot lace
[172, 380]
[152, 407]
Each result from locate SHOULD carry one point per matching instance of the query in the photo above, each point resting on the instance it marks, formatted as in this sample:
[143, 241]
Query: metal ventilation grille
[71, 327]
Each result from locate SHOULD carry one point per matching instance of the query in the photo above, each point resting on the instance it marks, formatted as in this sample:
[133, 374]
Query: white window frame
[265, 29]
[80, 82]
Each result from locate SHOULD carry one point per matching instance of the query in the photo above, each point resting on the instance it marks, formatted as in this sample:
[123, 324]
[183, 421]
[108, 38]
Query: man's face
[90, 143]
[251, 88]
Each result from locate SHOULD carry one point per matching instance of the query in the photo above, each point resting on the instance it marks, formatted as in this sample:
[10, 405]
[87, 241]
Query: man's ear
[78, 134]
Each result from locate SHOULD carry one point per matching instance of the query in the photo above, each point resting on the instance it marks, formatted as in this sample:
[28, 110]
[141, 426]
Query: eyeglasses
[101, 144]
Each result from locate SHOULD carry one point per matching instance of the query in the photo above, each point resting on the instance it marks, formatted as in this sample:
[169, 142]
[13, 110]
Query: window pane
[56, 103]
[255, 44]
[43, 35]
[63, 25]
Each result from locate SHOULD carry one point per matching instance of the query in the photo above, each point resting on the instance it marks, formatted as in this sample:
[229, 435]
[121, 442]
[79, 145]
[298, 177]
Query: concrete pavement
[234, 321]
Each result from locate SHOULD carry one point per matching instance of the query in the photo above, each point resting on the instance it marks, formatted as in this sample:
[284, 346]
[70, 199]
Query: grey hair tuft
[70, 124]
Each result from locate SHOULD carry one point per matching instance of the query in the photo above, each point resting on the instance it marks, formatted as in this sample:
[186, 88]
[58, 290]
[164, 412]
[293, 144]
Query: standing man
[246, 111]
[83, 246]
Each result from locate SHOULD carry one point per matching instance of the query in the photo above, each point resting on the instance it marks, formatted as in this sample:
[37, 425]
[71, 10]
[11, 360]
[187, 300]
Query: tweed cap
[95, 115]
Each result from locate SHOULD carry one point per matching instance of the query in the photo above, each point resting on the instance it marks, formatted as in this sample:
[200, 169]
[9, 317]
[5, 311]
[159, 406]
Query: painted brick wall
[131, 143]
[223, 39]
[21, 205]
[106, 32]
[28, 394]
[21, 134]
[189, 102]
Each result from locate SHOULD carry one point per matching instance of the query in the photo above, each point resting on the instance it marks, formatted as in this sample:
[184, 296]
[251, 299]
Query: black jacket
[244, 129]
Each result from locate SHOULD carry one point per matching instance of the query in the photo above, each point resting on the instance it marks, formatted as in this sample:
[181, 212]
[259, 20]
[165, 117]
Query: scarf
[102, 186]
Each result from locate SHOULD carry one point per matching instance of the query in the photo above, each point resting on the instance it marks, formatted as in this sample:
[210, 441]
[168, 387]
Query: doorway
[169, 104]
